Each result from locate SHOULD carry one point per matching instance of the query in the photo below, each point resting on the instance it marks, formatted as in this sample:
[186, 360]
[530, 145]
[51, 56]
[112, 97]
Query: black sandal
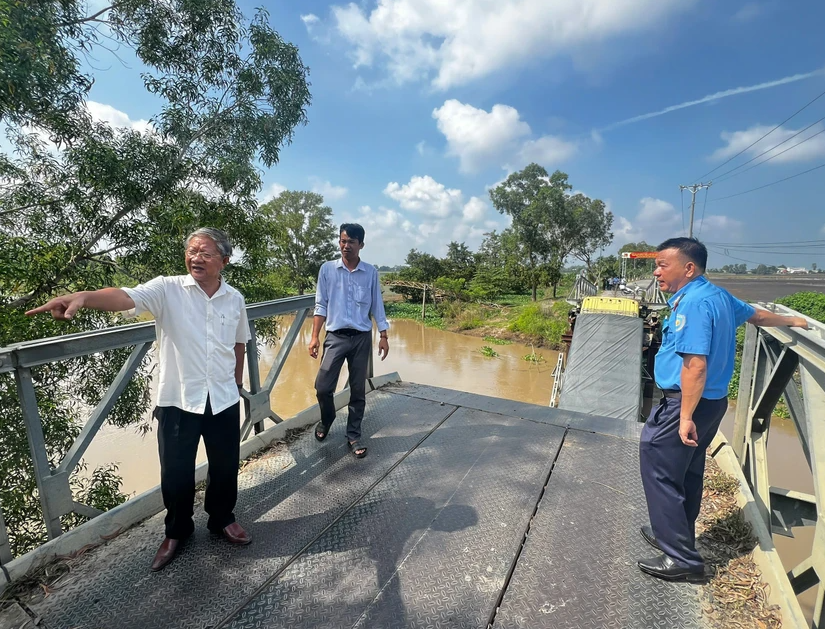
[321, 431]
[357, 449]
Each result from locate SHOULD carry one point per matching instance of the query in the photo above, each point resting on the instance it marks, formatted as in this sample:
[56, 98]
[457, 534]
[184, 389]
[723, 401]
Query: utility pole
[693, 189]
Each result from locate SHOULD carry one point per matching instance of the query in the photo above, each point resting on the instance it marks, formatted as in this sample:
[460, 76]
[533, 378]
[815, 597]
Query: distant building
[793, 271]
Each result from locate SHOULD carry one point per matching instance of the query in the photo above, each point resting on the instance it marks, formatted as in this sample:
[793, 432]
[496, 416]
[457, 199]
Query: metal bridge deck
[469, 512]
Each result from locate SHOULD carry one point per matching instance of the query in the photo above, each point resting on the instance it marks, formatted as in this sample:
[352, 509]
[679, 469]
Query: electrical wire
[772, 156]
[704, 206]
[771, 243]
[727, 161]
[768, 185]
[723, 177]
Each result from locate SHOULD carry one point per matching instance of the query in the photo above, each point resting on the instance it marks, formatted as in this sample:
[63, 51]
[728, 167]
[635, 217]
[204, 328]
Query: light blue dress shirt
[347, 298]
[702, 321]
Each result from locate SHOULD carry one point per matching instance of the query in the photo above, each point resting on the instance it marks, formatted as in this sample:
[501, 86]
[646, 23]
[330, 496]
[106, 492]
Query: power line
[721, 253]
[762, 138]
[704, 206]
[727, 172]
[693, 189]
[775, 242]
[774, 156]
[767, 185]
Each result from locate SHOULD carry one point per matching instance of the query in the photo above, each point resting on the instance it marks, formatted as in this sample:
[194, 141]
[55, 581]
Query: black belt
[347, 332]
[672, 393]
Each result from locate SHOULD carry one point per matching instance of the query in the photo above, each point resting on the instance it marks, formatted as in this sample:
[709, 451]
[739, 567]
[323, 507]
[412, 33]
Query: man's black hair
[354, 230]
[691, 248]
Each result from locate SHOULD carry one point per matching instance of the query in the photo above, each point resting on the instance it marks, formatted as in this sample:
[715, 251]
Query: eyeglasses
[206, 257]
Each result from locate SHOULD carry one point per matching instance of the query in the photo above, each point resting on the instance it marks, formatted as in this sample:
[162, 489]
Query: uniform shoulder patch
[679, 322]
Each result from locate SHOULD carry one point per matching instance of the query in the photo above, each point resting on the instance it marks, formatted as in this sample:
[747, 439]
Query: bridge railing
[53, 485]
[583, 288]
[787, 362]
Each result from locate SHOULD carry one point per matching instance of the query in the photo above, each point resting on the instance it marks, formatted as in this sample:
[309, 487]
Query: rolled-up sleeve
[377, 308]
[322, 293]
[148, 297]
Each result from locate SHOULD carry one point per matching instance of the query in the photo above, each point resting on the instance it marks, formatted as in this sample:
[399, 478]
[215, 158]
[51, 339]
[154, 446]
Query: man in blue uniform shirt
[693, 369]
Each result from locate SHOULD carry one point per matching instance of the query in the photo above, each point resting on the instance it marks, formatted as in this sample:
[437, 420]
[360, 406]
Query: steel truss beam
[776, 362]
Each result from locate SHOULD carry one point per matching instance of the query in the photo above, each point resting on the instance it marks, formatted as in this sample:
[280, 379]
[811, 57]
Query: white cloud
[421, 147]
[475, 210]
[657, 220]
[116, 118]
[327, 190]
[309, 19]
[456, 42]
[479, 138]
[736, 141]
[274, 190]
[546, 150]
[424, 195]
[389, 235]
[712, 98]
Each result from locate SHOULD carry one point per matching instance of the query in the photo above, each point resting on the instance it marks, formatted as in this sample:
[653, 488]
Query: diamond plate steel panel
[285, 501]
[431, 545]
[533, 412]
[578, 568]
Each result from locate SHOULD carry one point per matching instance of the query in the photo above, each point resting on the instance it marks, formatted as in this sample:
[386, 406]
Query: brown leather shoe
[166, 553]
[235, 534]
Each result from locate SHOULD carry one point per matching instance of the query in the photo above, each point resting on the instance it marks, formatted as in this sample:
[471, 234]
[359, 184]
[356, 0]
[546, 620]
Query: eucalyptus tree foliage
[300, 235]
[84, 204]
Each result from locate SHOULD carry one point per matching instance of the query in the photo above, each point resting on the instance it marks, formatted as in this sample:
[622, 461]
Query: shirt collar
[191, 281]
[679, 294]
[339, 264]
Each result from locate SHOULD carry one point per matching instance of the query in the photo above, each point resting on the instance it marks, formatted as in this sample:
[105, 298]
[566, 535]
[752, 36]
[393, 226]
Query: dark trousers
[179, 433]
[672, 474]
[355, 349]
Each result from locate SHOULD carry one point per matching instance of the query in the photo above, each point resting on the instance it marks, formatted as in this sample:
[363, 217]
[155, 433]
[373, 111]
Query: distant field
[769, 287]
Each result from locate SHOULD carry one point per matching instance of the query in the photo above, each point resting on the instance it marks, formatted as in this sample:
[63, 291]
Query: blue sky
[420, 106]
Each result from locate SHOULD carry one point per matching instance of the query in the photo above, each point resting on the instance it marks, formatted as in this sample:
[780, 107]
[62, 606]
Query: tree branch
[90, 18]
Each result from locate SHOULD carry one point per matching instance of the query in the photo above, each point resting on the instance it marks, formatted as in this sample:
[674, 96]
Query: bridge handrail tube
[51, 349]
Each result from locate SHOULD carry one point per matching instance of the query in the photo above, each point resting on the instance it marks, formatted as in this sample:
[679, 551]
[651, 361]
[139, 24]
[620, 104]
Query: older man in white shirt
[348, 292]
[202, 330]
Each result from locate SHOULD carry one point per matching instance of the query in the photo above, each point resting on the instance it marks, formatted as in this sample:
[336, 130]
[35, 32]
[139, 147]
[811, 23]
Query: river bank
[513, 318]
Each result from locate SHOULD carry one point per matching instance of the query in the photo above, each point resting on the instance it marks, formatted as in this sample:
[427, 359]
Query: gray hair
[219, 237]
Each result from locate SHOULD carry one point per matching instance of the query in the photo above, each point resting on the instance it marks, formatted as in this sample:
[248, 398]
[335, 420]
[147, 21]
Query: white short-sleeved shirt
[196, 338]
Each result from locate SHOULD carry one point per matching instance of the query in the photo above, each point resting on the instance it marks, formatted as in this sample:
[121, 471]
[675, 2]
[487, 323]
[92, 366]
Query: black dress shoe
[663, 567]
[647, 535]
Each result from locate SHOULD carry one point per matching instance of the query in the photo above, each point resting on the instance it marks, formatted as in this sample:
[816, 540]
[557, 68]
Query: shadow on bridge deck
[468, 511]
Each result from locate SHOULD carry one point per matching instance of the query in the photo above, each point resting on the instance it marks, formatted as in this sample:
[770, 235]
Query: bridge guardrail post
[55, 493]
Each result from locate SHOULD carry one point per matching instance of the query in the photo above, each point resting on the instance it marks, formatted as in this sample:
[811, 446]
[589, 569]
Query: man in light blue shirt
[348, 293]
[693, 369]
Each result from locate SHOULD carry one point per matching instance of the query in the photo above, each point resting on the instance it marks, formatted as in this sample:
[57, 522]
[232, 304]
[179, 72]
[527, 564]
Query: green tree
[104, 206]
[536, 204]
[459, 262]
[589, 228]
[300, 235]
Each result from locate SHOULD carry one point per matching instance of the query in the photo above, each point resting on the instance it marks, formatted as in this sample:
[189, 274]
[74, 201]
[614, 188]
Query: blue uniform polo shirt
[702, 321]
